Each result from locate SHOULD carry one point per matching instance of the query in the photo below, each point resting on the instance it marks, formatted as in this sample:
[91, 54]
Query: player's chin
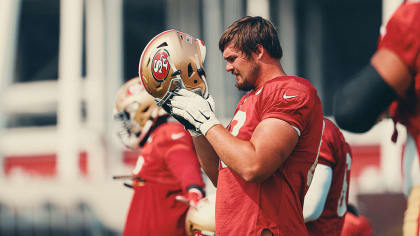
[243, 86]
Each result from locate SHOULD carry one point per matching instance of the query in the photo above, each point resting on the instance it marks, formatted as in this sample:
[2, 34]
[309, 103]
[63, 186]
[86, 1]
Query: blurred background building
[62, 61]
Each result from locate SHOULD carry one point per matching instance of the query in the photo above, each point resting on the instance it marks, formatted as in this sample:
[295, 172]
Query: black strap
[360, 102]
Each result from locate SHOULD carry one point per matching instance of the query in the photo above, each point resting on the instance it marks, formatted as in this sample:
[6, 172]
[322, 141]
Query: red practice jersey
[402, 36]
[356, 226]
[335, 153]
[169, 165]
[244, 208]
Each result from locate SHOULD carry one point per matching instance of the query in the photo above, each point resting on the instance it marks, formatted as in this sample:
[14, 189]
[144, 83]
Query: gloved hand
[194, 196]
[210, 100]
[181, 120]
[193, 108]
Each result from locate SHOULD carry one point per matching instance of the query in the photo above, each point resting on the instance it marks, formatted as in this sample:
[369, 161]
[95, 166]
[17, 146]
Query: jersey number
[240, 118]
[139, 165]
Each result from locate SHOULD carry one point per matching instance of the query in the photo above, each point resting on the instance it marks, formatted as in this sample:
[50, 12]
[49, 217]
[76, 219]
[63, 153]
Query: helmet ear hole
[164, 44]
[190, 70]
[201, 72]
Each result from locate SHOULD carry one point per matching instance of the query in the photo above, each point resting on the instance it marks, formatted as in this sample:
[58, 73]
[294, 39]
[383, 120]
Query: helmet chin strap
[201, 74]
[149, 123]
[177, 83]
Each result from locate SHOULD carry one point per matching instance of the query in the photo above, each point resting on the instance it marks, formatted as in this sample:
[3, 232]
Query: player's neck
[269, 71]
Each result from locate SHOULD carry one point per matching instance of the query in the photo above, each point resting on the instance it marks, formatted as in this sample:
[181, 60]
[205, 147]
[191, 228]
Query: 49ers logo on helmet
[160, 65]
[198, 233]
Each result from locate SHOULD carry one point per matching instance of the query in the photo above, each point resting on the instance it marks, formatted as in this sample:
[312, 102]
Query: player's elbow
[310, 217]
[350, 118]
[254, 174]
[351, 115]
[311, 212]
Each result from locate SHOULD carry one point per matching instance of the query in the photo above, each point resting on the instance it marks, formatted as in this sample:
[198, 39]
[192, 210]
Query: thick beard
[249, 84]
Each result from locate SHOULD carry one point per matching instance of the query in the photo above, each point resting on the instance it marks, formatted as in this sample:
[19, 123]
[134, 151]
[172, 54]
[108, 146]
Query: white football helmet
[172, 60]
[136, 111]
[201, 219]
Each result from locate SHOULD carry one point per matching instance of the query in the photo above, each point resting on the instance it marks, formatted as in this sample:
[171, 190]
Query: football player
[167, 167]
[263, 162]
[326, 200]
[391, 78]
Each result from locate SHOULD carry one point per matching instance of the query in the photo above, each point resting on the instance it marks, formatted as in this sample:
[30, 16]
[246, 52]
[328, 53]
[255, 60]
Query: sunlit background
[61, 63]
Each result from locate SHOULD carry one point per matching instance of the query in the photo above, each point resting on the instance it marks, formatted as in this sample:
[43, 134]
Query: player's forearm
[208, 158]
[317, 194]
[186, 171]
[237, 154]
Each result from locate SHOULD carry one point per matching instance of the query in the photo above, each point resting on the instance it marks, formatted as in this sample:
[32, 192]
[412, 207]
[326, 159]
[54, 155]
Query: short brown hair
[247, 32]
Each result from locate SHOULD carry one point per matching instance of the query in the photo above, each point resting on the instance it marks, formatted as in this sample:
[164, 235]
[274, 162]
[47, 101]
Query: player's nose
[229, 67]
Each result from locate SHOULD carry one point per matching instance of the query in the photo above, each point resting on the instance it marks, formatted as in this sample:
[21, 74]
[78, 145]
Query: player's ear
[260, 51]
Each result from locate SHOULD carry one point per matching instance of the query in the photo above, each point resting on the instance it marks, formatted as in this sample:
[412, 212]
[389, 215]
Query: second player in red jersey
[327, 197]
[166, 169]
[170, 168]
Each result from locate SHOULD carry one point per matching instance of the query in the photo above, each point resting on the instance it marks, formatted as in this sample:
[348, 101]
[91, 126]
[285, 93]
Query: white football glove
[195, 109]
[212, 104]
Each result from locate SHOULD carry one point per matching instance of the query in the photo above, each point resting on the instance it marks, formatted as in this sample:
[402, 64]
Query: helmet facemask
[136, 111]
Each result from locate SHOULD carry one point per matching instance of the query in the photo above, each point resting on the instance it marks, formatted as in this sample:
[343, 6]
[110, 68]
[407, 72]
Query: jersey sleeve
[181, 159]
[287, 104]
[402, 35]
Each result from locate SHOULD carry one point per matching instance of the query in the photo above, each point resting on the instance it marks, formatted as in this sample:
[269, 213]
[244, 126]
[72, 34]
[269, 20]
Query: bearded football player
[260, 184]
[166, 169]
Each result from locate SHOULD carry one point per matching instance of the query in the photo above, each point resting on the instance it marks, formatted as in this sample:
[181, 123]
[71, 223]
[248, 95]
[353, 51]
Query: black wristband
[197, 187]
[360, 102]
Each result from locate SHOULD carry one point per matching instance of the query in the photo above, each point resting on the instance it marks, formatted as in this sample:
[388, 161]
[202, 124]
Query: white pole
[114, 77]
[286, 20]
[258, 8]
[95, 86]
[214, 65]
[69, 87]
[9, 19]
[9, 15]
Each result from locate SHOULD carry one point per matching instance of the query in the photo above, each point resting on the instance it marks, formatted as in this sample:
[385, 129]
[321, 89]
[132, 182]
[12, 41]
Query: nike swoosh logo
[177, 135]
[287, 97]
[207, 117]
